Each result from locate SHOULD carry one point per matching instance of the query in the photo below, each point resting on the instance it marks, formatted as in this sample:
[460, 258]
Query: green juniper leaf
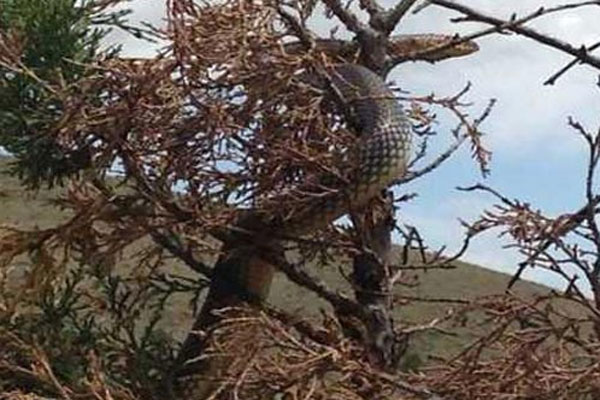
[57, 37]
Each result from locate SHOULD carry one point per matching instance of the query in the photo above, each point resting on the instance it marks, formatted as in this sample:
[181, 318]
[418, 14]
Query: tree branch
[515, 26]
[349, 19]
[171, 241]
[395, 14]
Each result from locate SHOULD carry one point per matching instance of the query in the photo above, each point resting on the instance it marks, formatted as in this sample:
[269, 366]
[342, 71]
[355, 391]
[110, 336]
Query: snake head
[428, 47]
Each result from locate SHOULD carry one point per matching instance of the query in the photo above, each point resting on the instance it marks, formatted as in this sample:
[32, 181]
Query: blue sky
[536, 157]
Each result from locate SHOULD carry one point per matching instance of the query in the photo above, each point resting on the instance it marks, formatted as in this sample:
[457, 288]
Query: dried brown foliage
[226, 120]
[287, 361]
[532, 349]
[549, 346]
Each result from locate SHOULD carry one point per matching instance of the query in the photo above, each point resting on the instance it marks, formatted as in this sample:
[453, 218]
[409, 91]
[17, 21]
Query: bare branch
[515, 26]
[395, 14]
[552, 79]
[349, 19]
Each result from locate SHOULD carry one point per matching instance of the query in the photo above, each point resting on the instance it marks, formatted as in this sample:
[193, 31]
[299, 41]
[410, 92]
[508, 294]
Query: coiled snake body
[382, 126]
[385, 133]
[383, 151]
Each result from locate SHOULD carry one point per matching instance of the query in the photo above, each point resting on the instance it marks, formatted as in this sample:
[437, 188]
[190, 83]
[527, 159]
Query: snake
[383, 129]
[430, 47]
[382, 126]
[383, 147]
[381, 154]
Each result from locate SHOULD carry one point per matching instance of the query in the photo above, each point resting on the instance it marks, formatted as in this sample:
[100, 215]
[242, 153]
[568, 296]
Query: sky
[536, 157]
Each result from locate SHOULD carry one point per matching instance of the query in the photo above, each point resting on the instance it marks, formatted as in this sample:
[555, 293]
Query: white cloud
[152, 11]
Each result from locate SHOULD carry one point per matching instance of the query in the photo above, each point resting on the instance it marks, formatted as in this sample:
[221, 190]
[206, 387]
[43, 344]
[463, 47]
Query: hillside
[25, 209]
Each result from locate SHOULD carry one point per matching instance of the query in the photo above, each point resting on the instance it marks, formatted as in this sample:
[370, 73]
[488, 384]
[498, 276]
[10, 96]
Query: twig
[171, 241]
[552, 80]
[349, 19]
[515, 26]
[395, 15]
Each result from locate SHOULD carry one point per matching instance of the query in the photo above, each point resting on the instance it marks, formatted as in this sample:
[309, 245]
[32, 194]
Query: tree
[45, 44]
[214, 142]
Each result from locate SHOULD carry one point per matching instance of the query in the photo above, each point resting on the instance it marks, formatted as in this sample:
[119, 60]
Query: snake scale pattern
[382, 126]
[383, 146]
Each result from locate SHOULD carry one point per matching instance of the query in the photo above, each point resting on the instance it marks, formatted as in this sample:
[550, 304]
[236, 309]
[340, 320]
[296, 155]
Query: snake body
[383, 147]
[385, 133]
[431, 47]
[383, 129]
[382, 152]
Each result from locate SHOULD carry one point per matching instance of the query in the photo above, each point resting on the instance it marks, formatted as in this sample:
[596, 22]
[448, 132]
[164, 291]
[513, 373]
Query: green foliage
[57, 37]
[54, 30]
[411, 362]
[87, 314]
